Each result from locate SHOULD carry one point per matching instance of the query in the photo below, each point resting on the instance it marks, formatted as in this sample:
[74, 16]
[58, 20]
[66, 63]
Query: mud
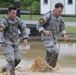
[39, 67]
[31, 64]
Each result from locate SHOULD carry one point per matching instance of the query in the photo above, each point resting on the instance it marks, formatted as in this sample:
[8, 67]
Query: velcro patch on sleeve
[1, 28]
[41, 21]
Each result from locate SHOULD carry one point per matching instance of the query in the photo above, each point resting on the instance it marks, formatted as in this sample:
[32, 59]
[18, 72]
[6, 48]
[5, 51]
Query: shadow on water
[67, 53]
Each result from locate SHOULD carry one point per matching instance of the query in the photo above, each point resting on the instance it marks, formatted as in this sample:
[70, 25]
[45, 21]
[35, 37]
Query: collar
[58, 18]
[11, 21]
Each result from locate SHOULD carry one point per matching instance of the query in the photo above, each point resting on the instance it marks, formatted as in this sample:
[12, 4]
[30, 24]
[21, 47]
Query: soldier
[9, 38]
[49, 26]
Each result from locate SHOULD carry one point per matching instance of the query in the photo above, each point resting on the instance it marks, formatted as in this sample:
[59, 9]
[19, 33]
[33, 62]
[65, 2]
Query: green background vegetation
[25, 4]
[33, 5]
[71, 29]
[37, 17]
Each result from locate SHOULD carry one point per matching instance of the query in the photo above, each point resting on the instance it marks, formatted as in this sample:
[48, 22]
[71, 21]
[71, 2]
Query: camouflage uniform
[56, 25]
[9, 38]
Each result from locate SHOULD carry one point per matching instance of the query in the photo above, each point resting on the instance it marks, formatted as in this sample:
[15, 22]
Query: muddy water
[66, 60]
[67, 53]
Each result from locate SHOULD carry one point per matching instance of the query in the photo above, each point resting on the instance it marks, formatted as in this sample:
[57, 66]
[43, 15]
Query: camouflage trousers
[51, 53]
[13, 57]
[51, 58]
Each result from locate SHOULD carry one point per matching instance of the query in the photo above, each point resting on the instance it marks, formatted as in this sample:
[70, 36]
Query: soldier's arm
[42, 21]
[2, 28]
[62, 27]
[62, 30]
[41, 24]
[22, 28]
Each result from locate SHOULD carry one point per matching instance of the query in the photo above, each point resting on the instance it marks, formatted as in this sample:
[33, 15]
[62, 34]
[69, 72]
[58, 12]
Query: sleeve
[62, 27]
[2, 28]
[22, 28]
[42, 21]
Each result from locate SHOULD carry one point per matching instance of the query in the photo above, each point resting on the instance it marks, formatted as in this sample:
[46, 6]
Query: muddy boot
[14, 73]
[3, 69]
[51, 58]
[17, 62]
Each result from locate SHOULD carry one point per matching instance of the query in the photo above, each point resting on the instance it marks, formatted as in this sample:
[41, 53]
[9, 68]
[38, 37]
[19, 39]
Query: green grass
[71, 29]
[70, 39]
[26, 17]
[70, 19]
[1, 16]
[37, 17]
[30, 17]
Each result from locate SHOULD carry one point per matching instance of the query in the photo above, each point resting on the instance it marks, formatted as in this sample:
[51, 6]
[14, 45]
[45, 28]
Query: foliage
[31, 5]
[35, 7]
[24, 3]
[6, 3]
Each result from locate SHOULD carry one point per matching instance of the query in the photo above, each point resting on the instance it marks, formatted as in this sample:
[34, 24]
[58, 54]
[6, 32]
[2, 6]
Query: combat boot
[3, 69]
[51, 58]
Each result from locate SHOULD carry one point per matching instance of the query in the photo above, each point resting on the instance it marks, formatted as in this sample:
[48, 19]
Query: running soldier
[50, 25]
[9, 38]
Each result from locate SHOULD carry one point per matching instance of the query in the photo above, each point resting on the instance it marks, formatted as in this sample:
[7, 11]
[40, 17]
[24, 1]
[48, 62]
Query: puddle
[66, 60]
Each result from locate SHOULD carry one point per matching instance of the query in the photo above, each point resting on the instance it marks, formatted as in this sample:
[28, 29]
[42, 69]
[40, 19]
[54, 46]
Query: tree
[24, 4]
[35, 7]
[27, 3]
[6, 3]
[32, 5]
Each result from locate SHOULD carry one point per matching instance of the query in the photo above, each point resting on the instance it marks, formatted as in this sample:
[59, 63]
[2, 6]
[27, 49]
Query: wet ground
[66, 60]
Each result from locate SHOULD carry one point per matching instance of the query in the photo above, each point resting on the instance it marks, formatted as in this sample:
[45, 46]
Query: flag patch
[1, 28]
[41, 21]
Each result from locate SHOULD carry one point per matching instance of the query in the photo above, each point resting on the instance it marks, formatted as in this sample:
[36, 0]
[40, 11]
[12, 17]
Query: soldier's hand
[47, 33]
[65, 37]
[25, 42]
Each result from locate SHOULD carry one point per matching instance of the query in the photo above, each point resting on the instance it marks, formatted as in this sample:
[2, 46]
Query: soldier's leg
[17, 55]
[51, 53]
[11, 67]
[9, 55]
[51, 58]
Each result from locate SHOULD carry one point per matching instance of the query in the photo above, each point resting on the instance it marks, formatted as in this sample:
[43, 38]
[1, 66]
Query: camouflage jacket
[9, 30]
[56, 25]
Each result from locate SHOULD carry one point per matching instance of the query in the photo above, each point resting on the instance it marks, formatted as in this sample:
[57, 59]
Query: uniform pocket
[49, 43]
